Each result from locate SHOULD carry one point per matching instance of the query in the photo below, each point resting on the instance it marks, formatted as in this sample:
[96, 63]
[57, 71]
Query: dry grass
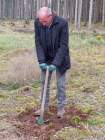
[22, 68]
[85, 90]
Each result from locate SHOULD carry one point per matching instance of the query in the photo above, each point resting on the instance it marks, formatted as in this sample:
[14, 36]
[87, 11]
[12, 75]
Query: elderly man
[51, 39]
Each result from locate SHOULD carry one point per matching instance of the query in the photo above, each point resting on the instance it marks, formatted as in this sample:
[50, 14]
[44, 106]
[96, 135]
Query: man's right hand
[43, 66]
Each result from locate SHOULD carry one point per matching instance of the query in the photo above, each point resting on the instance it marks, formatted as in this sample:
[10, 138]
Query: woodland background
[87, 11]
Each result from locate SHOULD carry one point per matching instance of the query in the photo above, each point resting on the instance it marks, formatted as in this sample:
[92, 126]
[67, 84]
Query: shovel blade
[40, 121]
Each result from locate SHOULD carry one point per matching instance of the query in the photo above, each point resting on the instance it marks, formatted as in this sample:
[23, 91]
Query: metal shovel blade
[41, 121]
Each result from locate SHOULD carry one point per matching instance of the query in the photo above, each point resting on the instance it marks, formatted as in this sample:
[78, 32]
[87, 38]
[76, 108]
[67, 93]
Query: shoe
[37, 112]
[60, 113]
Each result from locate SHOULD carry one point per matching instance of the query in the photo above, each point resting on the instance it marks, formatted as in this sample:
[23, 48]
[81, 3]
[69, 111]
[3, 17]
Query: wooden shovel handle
[44, 93]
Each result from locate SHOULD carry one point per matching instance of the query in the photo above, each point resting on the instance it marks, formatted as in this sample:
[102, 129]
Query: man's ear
[54, 13]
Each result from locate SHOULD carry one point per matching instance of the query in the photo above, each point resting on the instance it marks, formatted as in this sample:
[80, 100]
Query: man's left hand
[52, 68]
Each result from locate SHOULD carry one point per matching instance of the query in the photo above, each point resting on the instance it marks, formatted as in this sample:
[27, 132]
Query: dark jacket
[60, 37]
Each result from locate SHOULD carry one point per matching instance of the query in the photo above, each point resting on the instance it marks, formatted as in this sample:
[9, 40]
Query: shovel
[40, 120]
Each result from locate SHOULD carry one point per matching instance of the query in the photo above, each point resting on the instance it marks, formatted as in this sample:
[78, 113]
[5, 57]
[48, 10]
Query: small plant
[98, 37]
[3, 96]
[27, 22]
[13, 86]
[88, 110]
[51, 125]
[75, 120]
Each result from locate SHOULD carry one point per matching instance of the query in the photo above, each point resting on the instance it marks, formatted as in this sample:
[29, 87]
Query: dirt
[29, 128]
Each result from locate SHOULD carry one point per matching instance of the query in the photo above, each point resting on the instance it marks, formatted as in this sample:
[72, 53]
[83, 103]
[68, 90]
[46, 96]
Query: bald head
[43, 12]
[45, 16]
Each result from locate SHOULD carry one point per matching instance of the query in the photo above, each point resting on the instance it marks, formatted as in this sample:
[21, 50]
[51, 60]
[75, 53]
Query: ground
[20, 87]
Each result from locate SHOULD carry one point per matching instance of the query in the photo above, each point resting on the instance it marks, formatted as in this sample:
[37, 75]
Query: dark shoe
[37, 112]
[60, 113]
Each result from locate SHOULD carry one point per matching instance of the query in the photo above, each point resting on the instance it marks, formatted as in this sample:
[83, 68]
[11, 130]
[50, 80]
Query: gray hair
[44, 11]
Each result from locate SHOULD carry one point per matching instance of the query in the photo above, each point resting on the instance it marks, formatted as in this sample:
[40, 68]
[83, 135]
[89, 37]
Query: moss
[36, 84]
[75, 120]
[3, 96]
[50, 125]
[96, 121]
[87, 109]
[13, 86]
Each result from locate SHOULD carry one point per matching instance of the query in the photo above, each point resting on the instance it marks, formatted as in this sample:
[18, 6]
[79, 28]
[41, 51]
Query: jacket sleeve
[39, 48]
[63, 49]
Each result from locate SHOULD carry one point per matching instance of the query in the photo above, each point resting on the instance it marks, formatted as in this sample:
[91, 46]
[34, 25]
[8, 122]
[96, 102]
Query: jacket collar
[55, 20]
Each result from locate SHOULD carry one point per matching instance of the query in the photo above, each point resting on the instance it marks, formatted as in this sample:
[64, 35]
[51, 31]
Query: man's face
[45, 20]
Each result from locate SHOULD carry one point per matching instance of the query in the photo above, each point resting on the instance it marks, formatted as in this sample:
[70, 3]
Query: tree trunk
[103, 13]
[65, 9]
[79, 14]
[49, 3]
[0, 9]
[76, 14]
[58, 8]
[90, 14]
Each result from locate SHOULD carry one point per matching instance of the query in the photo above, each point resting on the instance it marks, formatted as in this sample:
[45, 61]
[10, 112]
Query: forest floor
[20, 87]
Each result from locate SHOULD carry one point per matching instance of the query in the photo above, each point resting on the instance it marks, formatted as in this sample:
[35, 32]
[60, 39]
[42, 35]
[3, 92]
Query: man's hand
[43, 66]
[52, 68]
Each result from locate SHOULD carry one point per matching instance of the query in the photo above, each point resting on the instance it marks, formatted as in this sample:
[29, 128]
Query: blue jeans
[61, 93]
